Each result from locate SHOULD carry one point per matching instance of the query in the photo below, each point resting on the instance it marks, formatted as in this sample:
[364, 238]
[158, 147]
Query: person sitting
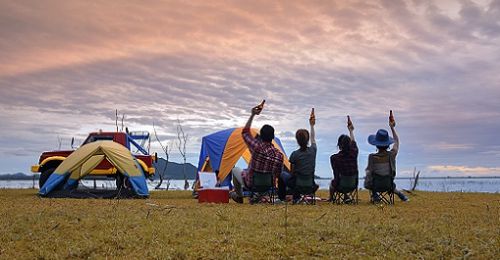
[266, 158]
[345, 162]
[383, 162]
[303, 161]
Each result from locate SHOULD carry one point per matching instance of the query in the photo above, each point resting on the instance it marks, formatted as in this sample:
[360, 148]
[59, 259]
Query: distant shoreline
[24, 177]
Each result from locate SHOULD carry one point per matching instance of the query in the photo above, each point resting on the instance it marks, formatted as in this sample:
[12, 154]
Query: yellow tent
[82, 161]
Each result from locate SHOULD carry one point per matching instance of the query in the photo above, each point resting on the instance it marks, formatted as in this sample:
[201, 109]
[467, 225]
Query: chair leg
[340, 199]
[385, 197]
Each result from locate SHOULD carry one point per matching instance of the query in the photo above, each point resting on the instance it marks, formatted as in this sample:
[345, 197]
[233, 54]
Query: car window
[94, 138]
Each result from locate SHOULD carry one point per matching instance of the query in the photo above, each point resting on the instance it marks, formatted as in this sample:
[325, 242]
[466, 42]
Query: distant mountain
[174, 170]
[18, 176]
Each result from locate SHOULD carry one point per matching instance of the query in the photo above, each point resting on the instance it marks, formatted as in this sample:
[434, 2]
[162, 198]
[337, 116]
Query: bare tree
[167, 148]
[59, 141]
[116, 119]
[123, 119]
[415, 178]
[149, 144]
[182, 139]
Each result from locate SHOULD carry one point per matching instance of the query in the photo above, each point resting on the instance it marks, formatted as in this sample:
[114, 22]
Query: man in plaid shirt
[265, 157]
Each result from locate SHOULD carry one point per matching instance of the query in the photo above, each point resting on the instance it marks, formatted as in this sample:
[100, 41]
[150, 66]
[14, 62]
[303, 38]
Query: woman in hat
[384, 161]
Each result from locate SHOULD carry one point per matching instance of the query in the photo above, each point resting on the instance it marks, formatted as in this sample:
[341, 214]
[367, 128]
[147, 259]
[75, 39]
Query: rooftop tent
[82, 161]
[220, 151]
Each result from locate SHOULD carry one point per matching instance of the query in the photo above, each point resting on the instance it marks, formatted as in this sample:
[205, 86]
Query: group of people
[266, 158]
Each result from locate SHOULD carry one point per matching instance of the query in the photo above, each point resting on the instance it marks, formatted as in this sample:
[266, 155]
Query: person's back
[304, 160]
[345, 162]
[265, 157]
[383, 163]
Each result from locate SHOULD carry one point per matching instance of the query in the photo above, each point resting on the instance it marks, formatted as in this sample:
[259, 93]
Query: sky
[65, 66]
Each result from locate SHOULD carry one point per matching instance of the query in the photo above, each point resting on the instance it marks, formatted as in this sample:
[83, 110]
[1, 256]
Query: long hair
[344, 143]
[302, 136]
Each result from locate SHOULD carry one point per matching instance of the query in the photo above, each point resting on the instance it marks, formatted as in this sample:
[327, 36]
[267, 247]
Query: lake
[466, 184]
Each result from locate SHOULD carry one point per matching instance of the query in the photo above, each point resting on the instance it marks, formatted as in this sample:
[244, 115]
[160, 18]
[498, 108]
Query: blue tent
[220, 151]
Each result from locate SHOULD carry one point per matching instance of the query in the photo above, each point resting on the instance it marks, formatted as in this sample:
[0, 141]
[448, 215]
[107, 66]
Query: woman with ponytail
[345, 162]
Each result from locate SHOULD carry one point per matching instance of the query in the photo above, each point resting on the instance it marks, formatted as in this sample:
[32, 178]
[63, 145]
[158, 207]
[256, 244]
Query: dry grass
[172, 225]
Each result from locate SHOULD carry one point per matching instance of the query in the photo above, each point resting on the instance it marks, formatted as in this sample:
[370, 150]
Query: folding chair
[347, 187]
[263, 188]
[383, 187]
[305, 187]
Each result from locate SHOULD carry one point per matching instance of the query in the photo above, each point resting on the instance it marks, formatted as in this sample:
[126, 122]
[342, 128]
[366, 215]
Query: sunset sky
[65, 66]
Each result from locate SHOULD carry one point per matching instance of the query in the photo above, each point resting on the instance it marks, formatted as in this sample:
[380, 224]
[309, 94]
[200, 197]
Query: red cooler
[213, 195]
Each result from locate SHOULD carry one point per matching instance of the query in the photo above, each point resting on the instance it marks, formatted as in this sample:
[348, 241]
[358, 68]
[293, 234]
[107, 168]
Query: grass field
[172, 225]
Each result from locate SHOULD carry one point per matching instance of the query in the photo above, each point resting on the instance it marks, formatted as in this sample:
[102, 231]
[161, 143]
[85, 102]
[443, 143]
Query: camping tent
[82, 161]
[220, 151]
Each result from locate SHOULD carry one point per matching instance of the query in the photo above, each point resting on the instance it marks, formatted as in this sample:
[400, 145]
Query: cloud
[206, 63]
[448, 146]
[464, 170]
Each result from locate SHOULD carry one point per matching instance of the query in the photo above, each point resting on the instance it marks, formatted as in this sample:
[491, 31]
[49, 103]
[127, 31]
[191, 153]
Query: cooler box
[213, 195]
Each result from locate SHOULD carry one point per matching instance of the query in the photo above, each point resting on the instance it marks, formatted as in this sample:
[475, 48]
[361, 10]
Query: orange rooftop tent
[221, 151]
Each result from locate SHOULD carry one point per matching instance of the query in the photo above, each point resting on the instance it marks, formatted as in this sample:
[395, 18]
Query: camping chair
[305, 187]
[263, 188]
[383, 186]
[348, 186]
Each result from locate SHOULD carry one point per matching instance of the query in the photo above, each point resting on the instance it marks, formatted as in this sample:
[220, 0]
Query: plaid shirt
[344, 164]
[265, 157]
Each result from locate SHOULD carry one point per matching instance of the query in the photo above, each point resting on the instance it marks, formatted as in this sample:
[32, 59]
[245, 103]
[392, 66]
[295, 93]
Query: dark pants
[284, 181]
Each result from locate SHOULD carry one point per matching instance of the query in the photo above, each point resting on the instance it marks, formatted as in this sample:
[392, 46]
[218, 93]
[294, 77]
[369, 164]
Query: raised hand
[257, 109]
[312, 117]
[350, 126]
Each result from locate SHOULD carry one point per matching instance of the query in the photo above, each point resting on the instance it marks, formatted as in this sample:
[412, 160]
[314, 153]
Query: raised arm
[350, 127]
[395, 147]
[312, 122]
[392, 125]
[250, 120]
[251, 142]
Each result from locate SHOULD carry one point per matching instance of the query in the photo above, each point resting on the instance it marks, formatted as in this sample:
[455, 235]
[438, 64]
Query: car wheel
[45, 176]
[122, 182]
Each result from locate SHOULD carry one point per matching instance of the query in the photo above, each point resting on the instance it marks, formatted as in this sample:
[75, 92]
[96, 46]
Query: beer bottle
[312, 117]
[392, 121]
[261, 105]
